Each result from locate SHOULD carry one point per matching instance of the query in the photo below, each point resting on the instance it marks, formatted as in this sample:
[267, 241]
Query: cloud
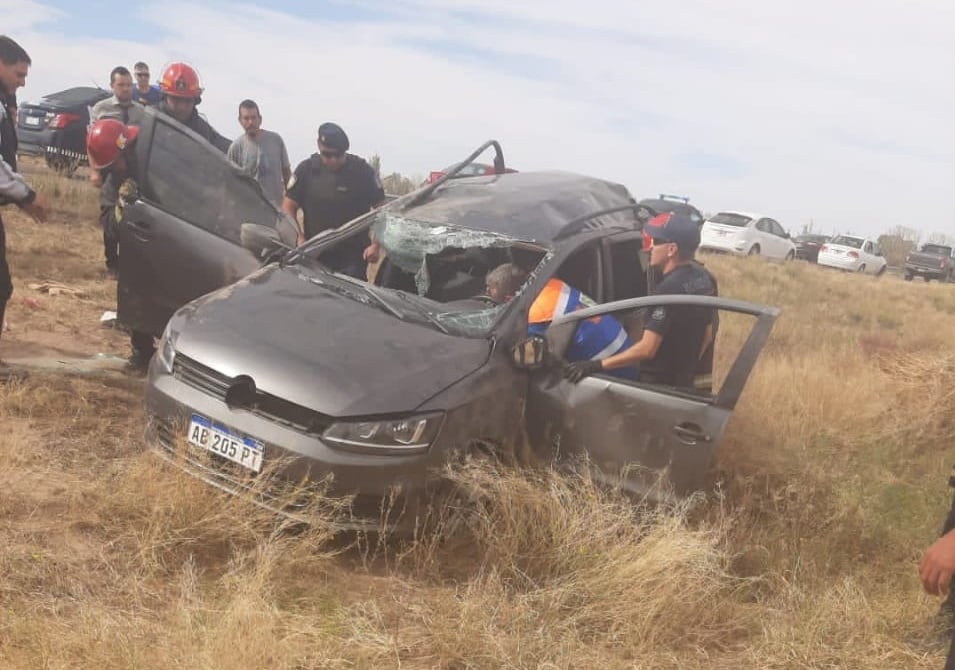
[833, 111]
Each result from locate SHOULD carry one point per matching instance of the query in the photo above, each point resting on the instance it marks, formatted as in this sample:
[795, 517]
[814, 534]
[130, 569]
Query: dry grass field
[832, 480]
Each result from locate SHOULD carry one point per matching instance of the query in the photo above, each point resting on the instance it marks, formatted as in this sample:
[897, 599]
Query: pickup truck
[931, 261]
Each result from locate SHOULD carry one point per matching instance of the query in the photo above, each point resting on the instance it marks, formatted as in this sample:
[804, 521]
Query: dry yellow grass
[831, 479]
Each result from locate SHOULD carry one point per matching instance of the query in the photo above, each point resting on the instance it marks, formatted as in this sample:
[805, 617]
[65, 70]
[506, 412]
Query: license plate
[32, 120]
[227, 443]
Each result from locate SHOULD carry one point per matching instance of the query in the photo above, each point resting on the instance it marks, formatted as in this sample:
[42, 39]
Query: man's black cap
[673, 227]
[333, 137]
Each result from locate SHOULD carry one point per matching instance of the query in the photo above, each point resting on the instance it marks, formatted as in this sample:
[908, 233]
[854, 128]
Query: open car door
[649, 439]
[180, 238]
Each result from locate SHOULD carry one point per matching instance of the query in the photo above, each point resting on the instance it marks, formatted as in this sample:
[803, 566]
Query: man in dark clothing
[675, 338]
[181, 93]
[14, 67]
[332, 187]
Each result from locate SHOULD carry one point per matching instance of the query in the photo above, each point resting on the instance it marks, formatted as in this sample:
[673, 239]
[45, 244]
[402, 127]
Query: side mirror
[530, 353]
[261, 240]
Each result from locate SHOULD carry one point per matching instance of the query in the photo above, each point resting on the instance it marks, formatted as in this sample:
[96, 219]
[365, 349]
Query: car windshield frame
[854, 242]
[731, 219]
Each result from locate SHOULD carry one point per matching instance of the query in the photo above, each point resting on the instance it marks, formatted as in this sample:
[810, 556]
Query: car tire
[861, 269]
[753, 250]
[908, 276]
[881, 271]
[791, 256]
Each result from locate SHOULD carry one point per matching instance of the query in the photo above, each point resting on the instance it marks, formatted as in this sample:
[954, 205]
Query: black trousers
[6, 283]
[107, 219]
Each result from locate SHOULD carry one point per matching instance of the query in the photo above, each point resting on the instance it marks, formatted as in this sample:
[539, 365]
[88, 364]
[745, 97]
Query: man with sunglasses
[145, 93]
[676, 339]
[332, 187]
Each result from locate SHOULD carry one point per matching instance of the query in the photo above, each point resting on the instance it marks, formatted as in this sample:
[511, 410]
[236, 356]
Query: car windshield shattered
[438, 271]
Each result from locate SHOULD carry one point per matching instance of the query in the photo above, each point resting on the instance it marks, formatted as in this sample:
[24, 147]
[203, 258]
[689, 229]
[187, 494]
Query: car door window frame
[150, 194]
[562, 328]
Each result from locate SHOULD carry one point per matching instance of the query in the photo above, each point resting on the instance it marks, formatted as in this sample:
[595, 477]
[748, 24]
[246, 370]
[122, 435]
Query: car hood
[320, 349]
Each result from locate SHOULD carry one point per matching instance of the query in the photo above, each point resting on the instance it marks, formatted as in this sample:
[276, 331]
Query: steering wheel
[485, 297]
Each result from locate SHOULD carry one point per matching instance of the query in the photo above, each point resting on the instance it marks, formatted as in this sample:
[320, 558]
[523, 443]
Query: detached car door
[181, 238]
[641, 435]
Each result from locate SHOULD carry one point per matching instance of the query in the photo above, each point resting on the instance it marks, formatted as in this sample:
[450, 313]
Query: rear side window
[629, 280]
[196, 183]
[728, 219]
[846, 241]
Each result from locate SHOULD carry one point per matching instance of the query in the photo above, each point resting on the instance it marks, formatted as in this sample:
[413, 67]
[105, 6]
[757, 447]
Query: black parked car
[380, 383]
[55, 127]
[808, 245]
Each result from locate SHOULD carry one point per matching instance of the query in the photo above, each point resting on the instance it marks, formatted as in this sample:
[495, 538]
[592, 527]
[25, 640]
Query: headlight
[167, 349]
[411, 435]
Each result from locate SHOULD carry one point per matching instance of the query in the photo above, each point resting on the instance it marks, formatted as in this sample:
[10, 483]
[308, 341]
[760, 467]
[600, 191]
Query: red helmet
[180, 81]
[106, 139]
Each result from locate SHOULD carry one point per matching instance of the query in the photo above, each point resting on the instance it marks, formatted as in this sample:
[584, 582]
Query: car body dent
[285, 335]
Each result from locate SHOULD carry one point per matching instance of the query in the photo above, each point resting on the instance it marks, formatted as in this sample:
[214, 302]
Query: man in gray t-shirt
[261, 153]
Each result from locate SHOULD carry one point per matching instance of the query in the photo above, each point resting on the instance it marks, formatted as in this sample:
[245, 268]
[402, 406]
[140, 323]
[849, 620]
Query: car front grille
[275, 409]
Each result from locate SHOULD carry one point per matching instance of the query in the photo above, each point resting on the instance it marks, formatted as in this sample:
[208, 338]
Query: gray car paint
[343, 358]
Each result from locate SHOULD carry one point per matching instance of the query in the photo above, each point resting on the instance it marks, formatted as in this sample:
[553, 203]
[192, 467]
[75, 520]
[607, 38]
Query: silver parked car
[380, 383]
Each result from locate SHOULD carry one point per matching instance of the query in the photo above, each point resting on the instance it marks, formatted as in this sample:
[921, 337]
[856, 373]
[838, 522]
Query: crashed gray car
[375, 385]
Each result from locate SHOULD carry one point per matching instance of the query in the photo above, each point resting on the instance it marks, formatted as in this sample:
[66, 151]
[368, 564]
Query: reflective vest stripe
[563, 306]
[618, 343]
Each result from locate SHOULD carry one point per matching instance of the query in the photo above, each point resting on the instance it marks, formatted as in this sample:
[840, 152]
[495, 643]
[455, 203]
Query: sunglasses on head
[142, 74]
[331, 154]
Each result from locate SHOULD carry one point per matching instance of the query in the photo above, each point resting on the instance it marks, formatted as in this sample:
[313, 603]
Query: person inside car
[594, 339]
[676, 338]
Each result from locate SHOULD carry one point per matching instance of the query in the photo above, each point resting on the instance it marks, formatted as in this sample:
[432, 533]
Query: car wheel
[881, 271]
[754, 250]
[861, 269]
[908, 276]
[791, 255]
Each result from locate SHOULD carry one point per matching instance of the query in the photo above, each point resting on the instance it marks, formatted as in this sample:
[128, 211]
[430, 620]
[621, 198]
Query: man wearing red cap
[675, 339]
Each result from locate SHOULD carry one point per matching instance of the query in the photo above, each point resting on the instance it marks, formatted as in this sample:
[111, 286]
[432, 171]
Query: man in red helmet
[181, 93]
[109, 144]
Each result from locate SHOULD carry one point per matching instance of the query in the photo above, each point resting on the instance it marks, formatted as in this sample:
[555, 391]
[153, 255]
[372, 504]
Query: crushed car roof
[533, 206]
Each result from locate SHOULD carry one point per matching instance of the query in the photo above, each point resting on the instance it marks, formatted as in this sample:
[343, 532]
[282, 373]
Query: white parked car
[852, 254]
[744, 233]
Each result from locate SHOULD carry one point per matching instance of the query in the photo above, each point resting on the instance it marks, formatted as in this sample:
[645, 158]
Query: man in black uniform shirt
[675, 338]
[332, 187]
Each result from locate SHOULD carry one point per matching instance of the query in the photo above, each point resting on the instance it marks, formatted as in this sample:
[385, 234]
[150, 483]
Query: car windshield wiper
[415, 302]
[371, 292]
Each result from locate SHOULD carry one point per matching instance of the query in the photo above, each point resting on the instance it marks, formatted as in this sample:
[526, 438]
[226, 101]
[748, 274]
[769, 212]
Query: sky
[836, 113]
